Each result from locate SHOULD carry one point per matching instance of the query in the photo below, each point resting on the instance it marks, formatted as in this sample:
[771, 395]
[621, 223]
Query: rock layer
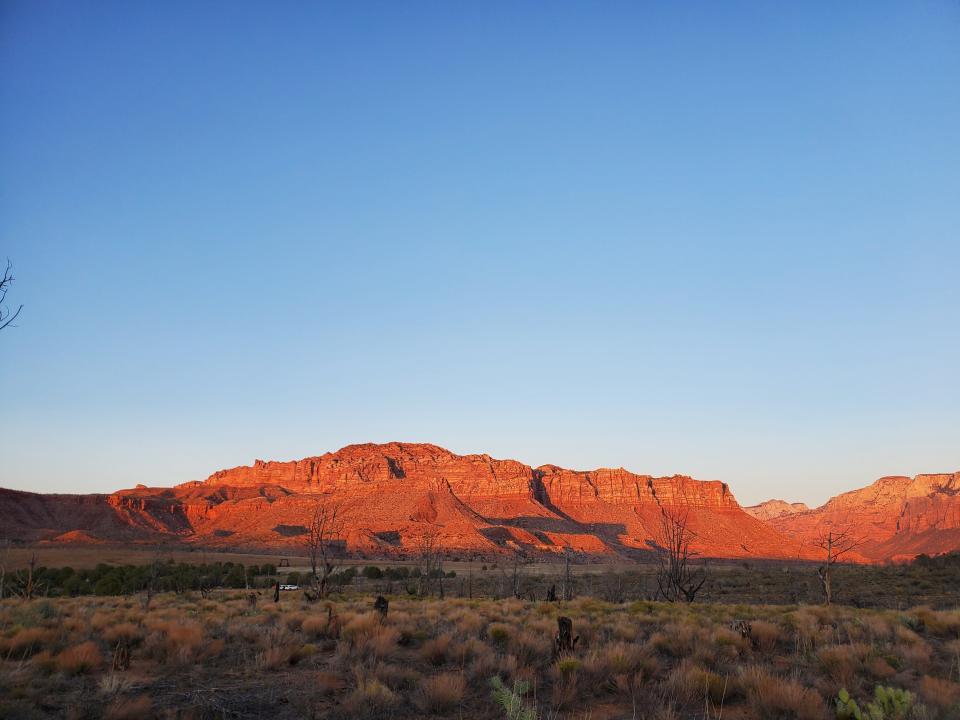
[394, 495]
[897, 517]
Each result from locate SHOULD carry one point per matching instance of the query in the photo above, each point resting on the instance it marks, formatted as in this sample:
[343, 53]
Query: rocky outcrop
[897, 517]
[394, 495]
[775, 508]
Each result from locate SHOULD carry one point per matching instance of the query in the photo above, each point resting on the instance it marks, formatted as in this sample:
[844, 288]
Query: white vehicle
[289, 587]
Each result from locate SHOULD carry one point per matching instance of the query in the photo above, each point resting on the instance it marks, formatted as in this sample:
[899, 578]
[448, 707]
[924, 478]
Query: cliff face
[898, 517]
[393, 495]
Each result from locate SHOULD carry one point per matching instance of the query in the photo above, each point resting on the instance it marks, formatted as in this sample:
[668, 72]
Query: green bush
[888, 704]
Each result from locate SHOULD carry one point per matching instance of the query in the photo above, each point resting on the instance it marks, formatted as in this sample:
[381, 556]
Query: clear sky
[720, 239]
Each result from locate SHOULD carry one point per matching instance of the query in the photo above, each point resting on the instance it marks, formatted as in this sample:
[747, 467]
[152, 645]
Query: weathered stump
[276, 592]
[381, 605]
[565, 641]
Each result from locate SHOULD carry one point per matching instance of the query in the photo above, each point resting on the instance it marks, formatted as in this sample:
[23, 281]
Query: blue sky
[719, 239]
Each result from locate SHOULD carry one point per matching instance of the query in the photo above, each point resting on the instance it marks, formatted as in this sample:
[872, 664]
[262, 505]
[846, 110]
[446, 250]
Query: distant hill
[394, 495]
[897, 517]
[775, 508]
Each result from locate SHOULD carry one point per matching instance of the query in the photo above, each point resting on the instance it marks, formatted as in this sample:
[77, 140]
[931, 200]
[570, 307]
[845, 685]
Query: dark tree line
[128, 579]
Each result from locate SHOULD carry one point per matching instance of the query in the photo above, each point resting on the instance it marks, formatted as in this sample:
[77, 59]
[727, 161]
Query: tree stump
[381, 605]
[276, 592]
[565, 640]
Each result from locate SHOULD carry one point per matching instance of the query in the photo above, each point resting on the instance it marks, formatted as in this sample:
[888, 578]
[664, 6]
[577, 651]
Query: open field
[230, 656]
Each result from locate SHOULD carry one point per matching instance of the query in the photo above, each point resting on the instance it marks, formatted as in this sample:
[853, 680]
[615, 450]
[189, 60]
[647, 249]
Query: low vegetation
[237, 654]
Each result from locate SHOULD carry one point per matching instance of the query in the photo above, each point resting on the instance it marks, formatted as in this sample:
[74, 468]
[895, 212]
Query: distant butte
[393, 494]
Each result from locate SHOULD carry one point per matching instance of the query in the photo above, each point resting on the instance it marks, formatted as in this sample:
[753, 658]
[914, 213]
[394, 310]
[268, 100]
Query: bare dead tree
[28, 585]
[430, 561]
[516, 575]
[677, 577]
[835, 544]
[324, 534]
[6, 315]
[153, 578]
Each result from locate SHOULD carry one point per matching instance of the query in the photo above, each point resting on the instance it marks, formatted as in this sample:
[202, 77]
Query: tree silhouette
[6, 315]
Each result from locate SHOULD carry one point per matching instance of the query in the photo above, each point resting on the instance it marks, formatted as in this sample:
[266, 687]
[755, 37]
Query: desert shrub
[915, 655]
[880, 668]
[176, 642]
[294, 621]
[531, 647]
[358, 628]
[765, 635]
[125, 631]
[397, 677]
[273, 658]
[79, 659]
[777, 698]
[370, 699]
[499, 633]
[314, 625]
[688, 683]
[382, 642]
[441, 693]
[435, 651]
[26, 642]
[840, 663]
[939, 692]
[483, 664]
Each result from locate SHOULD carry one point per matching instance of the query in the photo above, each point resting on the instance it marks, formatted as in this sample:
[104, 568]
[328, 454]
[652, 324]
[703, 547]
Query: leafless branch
[322, 540]
[677, 578]
[835, 543]
[6, 316]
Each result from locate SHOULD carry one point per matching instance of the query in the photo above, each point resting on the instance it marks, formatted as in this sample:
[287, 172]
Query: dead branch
[6, 316]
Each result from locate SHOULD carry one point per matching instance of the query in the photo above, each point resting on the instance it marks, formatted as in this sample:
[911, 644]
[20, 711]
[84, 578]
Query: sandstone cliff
[897, 517]
[395, 494]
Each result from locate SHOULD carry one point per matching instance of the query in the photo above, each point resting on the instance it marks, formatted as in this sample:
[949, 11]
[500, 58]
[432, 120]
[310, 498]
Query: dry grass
[224, 657]
[79, 659]
[441, 693]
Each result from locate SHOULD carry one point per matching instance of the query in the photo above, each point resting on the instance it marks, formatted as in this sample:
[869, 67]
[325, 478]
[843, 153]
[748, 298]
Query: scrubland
[230, 655]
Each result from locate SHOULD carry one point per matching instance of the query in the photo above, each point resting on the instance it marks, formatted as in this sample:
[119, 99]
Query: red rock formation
[775, 508]
[897, 517]
[393, 495]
